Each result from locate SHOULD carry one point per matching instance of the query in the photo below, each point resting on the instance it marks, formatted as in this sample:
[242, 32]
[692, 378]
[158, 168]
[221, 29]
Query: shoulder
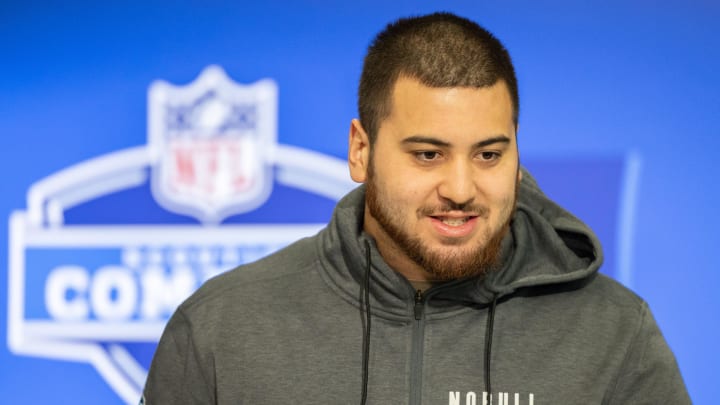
[611, 292]
[594, 302]
[273, 274]
[604, 309]
[648, 371]
[606, 300]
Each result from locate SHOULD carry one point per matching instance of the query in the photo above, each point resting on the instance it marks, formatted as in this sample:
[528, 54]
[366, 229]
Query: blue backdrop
[618, 103]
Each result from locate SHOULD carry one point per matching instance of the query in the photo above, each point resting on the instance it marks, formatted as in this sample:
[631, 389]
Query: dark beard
[443, 267]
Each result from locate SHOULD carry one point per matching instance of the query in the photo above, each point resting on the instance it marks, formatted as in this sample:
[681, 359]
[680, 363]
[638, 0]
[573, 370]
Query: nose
[458, 184]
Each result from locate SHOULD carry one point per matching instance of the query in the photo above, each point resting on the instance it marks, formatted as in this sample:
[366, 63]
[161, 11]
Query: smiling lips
[453, 221]
[454, 226]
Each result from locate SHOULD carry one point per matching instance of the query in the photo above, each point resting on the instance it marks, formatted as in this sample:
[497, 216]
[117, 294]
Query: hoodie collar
[545, 245]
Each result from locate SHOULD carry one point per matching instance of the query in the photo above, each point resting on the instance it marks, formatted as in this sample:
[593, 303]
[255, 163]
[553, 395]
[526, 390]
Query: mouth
[454, 227]
[453, 221]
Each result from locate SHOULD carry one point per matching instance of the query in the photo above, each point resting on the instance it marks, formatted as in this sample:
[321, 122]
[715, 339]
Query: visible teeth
[454, 221]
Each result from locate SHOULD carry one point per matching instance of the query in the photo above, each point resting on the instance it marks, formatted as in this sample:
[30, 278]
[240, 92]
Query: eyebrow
[437, 142]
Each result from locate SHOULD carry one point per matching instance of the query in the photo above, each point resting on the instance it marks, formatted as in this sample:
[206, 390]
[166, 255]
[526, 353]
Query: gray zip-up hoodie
[545, 328]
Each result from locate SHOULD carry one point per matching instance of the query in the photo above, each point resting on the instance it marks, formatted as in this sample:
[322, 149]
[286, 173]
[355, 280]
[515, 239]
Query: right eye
[427, 155]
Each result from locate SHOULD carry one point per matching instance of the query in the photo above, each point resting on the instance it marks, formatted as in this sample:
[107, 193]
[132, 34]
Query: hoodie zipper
[416, 359]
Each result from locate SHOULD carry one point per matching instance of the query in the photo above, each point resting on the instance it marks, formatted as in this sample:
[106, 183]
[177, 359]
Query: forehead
[448, 110]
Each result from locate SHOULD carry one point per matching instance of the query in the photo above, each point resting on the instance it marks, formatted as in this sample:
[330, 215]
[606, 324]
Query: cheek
[502, 191]
[404, 193]
[400, 184]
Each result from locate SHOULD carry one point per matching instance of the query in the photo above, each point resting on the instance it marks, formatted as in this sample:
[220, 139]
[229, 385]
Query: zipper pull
[419, 305]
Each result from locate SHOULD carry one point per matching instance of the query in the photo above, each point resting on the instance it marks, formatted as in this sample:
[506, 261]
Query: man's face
[441, 179]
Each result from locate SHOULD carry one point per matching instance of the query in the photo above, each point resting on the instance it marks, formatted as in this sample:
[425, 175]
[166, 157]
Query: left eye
[427, 155]
[489, 155]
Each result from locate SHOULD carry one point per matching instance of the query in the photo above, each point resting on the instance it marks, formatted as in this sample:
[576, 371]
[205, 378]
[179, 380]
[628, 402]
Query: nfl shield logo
[212, 143]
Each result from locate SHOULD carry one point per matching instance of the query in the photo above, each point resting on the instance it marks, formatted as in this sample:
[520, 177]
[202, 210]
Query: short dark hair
[439, 50]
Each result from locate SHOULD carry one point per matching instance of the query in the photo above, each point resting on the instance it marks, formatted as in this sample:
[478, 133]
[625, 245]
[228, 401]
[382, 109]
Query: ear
[517, 149]
[358, 151]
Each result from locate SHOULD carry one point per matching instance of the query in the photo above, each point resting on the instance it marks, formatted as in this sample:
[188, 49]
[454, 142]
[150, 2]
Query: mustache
[469, 208]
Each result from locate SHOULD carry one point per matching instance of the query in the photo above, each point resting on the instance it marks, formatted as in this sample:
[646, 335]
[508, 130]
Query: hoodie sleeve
[176, 375]
[650, 374]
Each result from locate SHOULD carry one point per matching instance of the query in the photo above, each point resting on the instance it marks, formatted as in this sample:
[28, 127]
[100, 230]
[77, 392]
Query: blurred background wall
[619, 103]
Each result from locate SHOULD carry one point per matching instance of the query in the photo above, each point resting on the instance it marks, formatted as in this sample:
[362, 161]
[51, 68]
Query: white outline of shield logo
[212, 143]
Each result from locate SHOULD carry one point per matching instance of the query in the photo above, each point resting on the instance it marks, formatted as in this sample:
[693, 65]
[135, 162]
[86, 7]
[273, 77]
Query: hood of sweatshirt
[545, 246]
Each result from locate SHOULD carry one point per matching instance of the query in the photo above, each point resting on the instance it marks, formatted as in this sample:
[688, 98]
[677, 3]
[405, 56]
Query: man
[448, 278]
